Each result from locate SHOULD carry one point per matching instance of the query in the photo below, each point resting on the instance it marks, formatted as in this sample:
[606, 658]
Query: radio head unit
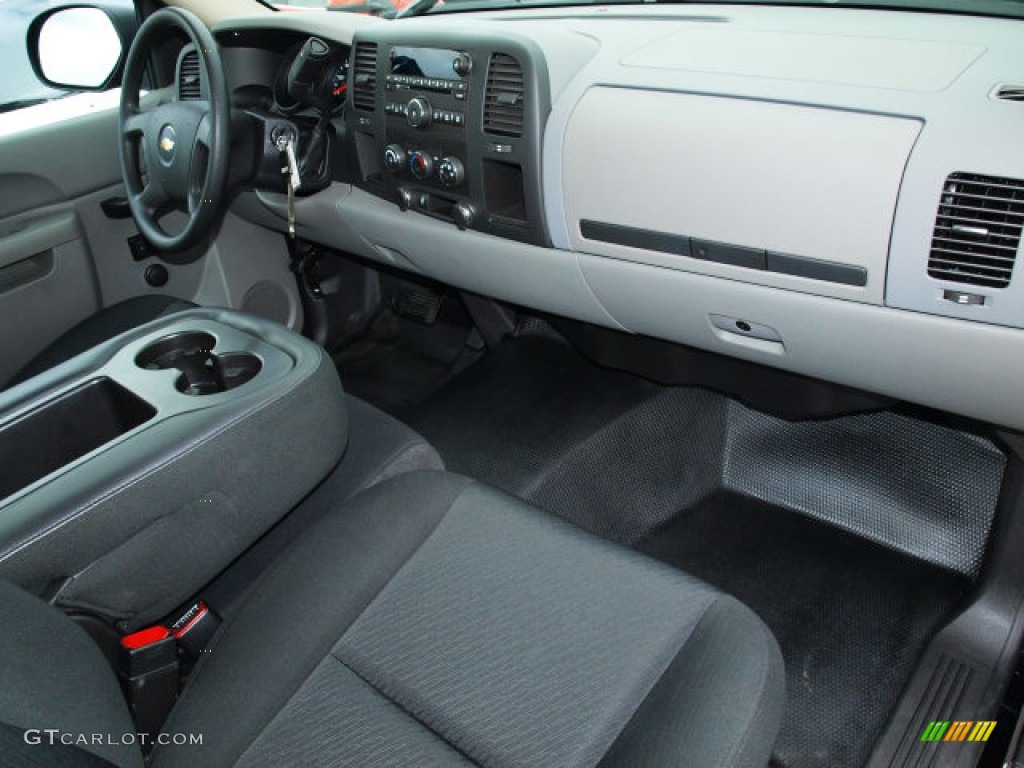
[451, 127]
[429, 64]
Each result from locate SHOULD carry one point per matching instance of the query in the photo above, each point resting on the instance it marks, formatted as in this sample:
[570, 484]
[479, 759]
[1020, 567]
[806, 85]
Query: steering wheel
[185, 145]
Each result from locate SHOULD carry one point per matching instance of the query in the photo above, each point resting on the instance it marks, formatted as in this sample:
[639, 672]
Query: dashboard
[834, 192]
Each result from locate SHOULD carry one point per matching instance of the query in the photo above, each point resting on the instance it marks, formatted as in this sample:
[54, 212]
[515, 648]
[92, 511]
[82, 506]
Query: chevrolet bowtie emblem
[165, 143]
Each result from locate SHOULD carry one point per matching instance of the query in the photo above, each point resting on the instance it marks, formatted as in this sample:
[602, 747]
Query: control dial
[451, 172]
[417, 113]
[462, 65]
[421, 164]
[394, 158]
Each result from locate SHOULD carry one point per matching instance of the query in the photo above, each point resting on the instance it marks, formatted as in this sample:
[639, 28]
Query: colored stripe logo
[958, 730]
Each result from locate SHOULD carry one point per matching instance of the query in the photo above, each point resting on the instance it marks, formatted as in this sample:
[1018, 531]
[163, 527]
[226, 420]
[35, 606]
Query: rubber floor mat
[620, 455]
[920, 488]
[851, 617]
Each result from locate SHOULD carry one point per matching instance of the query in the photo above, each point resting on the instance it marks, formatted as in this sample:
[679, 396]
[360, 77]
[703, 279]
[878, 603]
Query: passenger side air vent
[1009, 93]
[189, 82]
[365, 81]
[977, 230]
[503, 97]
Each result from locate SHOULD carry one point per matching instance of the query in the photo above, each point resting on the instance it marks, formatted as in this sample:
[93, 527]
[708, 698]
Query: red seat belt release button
[144, 637]
[194, 627]
[149, 675]
[147, 650]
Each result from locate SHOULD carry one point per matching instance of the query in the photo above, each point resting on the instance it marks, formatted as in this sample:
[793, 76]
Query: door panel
[62, 258]
[44, 163]
[47, 283]
[48, 279]
[35, 234]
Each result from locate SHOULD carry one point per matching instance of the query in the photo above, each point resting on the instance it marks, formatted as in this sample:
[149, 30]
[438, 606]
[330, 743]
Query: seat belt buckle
[194, 627]
[149, 676]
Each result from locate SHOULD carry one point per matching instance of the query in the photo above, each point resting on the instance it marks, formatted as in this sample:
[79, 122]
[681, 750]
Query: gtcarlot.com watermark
[53, 736]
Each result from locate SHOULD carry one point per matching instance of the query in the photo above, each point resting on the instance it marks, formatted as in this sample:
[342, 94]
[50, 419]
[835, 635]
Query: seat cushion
[379, 447]
[95, 329]
[53, 676]
[434, 621]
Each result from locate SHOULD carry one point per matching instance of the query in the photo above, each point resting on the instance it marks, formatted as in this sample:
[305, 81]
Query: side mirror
[76, 48]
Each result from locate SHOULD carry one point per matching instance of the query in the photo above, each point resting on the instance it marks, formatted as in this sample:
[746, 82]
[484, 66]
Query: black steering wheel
[185, 145]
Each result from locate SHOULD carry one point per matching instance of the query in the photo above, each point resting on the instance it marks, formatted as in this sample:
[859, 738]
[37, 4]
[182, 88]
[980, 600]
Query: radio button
[418, 113]
[405, 198]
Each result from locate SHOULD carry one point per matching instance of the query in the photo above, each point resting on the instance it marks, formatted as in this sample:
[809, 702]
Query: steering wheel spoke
[136, 125]
[175, 156]
[153, 198]
[204, 134]
[201, 152]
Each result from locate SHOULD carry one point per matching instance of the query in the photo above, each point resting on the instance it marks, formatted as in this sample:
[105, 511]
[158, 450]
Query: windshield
[387, 8]
[392, 8]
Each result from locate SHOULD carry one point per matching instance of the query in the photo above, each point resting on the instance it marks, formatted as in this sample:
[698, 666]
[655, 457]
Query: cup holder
[236, 368]
[167, 352]
[203, 372]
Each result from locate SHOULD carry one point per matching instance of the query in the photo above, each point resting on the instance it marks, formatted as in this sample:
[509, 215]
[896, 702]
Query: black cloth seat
[95, 329]
[432, 621]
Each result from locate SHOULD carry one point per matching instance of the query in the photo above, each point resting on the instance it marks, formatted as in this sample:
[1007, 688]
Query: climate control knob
[417, 113]
[394, 157]
[451, 172]
[421, 164]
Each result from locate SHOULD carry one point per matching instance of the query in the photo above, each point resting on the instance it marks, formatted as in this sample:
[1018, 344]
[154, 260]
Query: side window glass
[19, 87]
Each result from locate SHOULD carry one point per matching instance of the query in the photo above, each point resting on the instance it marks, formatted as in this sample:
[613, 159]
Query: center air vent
[977, 230]
[1009, 93]
[189, 82]
[503, 98]
[364, 94]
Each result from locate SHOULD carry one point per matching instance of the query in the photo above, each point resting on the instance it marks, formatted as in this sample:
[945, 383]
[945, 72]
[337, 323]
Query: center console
[451, 128]
[137, 471]
[426, 92]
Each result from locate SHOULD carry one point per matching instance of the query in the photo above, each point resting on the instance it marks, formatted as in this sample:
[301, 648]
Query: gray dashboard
[762, 182]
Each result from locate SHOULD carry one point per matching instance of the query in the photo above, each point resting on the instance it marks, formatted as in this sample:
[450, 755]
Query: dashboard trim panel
[874, 320]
